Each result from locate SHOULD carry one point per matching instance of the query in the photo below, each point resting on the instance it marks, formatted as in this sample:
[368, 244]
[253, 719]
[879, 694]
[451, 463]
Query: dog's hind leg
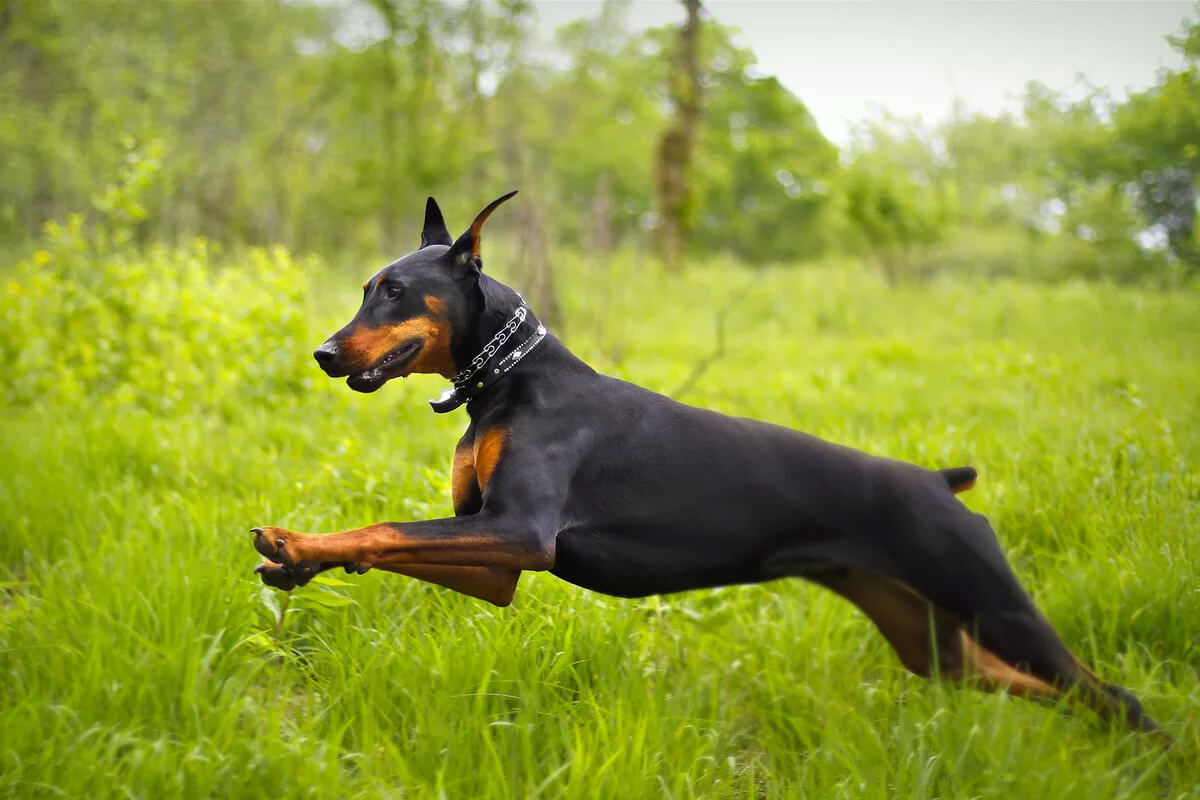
[930, 641]
[952, 559]
[933, 643]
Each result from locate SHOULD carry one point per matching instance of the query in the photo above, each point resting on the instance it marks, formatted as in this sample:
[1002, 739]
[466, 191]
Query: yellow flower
[41, 257]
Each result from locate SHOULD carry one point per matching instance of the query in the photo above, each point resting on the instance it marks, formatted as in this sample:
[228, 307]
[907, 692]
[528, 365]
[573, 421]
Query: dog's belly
[637, 564]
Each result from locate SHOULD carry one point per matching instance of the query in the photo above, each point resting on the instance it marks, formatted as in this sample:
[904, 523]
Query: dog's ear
[434, 230]
[464, 253]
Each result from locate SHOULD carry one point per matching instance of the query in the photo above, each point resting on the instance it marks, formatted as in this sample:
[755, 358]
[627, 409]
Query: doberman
[624, 491]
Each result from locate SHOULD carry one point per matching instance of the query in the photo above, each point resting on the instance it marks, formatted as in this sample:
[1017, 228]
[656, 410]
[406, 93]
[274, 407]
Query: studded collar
[503, 352]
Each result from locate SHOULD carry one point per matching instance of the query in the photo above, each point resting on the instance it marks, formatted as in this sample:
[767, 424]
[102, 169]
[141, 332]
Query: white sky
[849, 60]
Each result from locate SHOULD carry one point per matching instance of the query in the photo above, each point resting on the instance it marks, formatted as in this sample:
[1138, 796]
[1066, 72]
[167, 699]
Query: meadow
[158, 406]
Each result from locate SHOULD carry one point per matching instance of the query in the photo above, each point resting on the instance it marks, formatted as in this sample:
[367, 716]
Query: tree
[678, 141]
[1159, 131]
[896, 195]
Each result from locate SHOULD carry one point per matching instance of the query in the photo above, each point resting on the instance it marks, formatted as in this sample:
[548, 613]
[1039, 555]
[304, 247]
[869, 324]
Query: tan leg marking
[496, 585]
[376, 544]
[904, 618]
[991, 673]
[392, 543]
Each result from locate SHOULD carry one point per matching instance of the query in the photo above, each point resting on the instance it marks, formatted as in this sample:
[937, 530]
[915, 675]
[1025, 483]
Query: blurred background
[1049, 140]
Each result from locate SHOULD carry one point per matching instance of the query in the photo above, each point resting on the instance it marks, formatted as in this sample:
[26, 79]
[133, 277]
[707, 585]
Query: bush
[86, 325]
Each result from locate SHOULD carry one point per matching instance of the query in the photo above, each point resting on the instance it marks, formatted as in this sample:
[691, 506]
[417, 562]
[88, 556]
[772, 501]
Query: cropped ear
[434, 230]
[464, 253]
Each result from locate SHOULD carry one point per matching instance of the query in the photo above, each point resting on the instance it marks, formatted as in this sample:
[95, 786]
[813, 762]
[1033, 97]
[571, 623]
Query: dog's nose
[326, 354]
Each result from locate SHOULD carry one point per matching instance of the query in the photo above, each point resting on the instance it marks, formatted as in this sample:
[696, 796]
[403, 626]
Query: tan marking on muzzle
[366, 346]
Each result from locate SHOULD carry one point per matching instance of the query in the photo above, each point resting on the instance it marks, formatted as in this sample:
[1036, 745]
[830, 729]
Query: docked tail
[959, 479]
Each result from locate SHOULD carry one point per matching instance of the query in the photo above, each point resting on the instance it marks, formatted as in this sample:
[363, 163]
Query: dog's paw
[276, 544]
[281, 577]
[285, 566]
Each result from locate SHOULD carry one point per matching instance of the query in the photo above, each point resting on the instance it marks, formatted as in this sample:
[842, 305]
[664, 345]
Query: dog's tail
[959, 479]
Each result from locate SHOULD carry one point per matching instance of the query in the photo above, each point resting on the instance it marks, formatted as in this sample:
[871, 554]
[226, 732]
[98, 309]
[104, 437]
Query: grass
[141, 658]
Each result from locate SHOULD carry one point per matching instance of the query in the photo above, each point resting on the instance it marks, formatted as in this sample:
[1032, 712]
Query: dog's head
[415, 311]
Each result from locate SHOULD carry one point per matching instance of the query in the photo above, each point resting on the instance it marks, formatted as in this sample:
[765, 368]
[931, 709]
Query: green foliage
[764, 172]
[307, 124]
[896, 197]
[141, 658]
[87, 321]
[602, 98]
[1052, 194]
[1159, 132]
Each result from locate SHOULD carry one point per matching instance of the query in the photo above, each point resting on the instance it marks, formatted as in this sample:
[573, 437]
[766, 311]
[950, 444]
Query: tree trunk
[535, 259]
[675, 148]
[535, 268]
[388, 125]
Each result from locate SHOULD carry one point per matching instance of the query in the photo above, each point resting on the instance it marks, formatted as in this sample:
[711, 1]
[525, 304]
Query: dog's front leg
[480, 540]
[496, 585]
[480, 554]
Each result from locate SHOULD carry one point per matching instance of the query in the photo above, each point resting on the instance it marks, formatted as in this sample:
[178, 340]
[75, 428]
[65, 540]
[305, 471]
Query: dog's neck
[493, 306]
[504, 332]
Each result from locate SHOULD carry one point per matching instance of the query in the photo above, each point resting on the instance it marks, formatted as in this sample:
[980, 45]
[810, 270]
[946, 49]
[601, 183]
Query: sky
[850, 60]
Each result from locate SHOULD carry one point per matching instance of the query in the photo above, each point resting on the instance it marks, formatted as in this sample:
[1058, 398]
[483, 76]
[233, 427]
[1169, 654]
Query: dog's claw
[362, 569]
[256, 531]
[260, 569]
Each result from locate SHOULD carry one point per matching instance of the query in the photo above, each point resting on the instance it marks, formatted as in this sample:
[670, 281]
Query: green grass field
[140, 657]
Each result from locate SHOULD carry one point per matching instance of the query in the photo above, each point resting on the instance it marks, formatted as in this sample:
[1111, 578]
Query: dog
[623, 491]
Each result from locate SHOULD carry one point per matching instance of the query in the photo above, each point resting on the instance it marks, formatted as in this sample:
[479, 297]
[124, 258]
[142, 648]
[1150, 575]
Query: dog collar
[489, 365]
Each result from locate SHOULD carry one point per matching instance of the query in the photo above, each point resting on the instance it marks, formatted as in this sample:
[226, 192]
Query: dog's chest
[475, 461]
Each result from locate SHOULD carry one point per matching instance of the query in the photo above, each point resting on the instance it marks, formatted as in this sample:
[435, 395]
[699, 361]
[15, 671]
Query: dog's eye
[393, 291]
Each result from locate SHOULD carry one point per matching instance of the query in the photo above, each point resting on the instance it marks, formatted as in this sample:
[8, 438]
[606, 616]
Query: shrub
[87, 325]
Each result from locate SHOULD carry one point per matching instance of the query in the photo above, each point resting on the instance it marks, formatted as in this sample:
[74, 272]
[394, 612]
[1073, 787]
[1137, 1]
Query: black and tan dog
[626, 492]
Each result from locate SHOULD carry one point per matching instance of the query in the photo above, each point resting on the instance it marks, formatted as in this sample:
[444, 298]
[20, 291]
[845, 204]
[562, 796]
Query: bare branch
[718, 352]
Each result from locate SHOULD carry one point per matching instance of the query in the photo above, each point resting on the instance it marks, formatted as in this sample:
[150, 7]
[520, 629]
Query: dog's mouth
[392, 365]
